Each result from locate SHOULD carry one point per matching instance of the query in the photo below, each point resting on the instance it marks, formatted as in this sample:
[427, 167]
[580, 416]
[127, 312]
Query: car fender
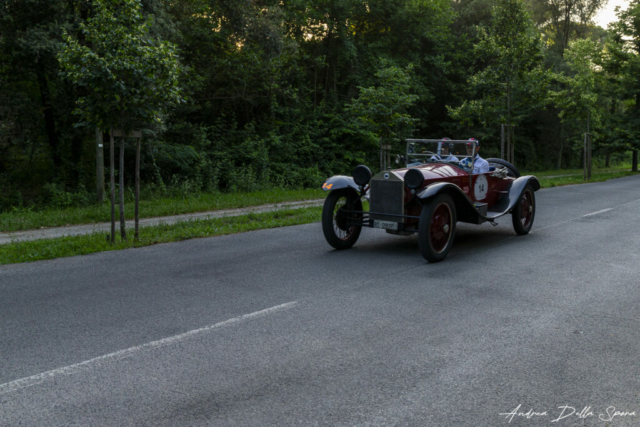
[465, 210]
[508, 201]
[339, 182]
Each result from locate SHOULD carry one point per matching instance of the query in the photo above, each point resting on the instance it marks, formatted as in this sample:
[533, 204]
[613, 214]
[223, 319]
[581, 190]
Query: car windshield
[423, 151]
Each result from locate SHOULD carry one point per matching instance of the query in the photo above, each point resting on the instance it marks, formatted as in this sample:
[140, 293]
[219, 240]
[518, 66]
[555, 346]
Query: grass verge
[577, 179]
[90, 243]
[26, 219]
[85, 244]
[570, 172]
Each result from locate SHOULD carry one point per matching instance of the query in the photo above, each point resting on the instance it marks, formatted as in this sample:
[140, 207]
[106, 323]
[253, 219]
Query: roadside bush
[54, 195]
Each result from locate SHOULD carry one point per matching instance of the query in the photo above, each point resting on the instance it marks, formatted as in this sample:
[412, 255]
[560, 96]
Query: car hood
[434, 171]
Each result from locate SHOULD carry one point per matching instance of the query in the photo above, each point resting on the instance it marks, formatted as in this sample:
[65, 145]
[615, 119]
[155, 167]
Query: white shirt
[449, 159]
[479, 166]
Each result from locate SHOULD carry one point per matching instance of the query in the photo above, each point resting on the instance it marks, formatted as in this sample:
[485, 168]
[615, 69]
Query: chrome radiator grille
[387, 196]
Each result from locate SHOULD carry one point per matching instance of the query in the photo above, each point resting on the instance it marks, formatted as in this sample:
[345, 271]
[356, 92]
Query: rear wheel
[337, 225]
[499, 163]
[437, 228]
[524, 211]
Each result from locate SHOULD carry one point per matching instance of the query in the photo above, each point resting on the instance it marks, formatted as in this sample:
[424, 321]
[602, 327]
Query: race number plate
[387, 225]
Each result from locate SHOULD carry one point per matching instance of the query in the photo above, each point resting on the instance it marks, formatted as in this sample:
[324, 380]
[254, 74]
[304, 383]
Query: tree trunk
[49, 117]
[77, 142]
[508, 102]
[607, 161]
[99, 166]
[634, 160]
[123, 231]
[112, 173]
[315, 86]
[559, 163]
[137, 217]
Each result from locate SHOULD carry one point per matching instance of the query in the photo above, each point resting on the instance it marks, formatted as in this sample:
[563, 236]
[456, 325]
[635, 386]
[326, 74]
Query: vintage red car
[428, 196]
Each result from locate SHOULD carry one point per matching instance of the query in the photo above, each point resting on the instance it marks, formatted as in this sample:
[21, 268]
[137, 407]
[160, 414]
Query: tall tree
[129, 77]
[578, 100]
[31, 33]
[509, 55]
[625, 50]
[382, 109]
[561, 21]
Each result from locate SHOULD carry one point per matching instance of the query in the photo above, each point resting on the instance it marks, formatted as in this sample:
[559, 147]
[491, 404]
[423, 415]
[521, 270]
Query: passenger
[445, 150]
[480, 165]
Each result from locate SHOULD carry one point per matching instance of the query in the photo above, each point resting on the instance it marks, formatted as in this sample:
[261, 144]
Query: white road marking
[118, 355]
[583, 216]
[598, 212]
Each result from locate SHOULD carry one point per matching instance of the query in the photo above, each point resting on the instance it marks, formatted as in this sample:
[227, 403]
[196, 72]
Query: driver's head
[471, 145]
[446, 146]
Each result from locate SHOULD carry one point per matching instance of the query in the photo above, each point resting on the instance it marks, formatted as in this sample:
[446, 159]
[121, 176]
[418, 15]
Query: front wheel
[524, 211]
[339, 227]
[437, 228]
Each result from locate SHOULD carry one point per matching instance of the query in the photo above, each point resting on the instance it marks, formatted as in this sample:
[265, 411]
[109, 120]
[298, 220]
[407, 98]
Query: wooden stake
[123, 232]
[113, 185]
[137, 232]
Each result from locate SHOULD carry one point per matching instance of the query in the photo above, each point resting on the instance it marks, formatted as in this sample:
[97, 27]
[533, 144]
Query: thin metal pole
[137, 218]
[513, 148]
[123, 232]
[473, 163]
[589, 156]
[99, 167]
[502, 142]
[513, 155]
[112, 166]
[509, 143]
[584, 166]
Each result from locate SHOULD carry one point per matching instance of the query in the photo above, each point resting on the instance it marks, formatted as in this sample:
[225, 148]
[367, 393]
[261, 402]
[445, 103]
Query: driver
[445, 150]
[480, 165]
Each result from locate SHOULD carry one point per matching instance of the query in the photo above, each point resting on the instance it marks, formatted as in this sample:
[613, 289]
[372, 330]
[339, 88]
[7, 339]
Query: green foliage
[512, 82]
[154, 202]
[129, 77]
[561, 21]
[383, 109]
[624, 60]
[92, 243]
[578, 99]
[282, 94]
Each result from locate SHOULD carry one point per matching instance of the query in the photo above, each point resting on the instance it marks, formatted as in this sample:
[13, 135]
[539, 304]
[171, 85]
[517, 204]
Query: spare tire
[499, 163]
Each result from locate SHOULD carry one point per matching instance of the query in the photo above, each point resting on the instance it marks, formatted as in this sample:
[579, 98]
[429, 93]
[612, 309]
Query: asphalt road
[274, 328]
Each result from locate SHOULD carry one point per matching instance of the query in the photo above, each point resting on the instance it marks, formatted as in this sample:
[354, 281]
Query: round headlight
[413, 179]
[361, 175]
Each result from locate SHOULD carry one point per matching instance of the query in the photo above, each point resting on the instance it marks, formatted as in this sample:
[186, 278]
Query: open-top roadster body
[428, 196]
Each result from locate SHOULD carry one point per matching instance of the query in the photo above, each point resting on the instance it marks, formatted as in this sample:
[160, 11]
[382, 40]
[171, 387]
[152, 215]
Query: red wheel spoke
[526, 208]
[440, 221]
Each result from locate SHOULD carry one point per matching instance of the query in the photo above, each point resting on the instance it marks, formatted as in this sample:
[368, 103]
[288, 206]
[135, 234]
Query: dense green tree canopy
[127, 77]
[283, 93]
[511, 52]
